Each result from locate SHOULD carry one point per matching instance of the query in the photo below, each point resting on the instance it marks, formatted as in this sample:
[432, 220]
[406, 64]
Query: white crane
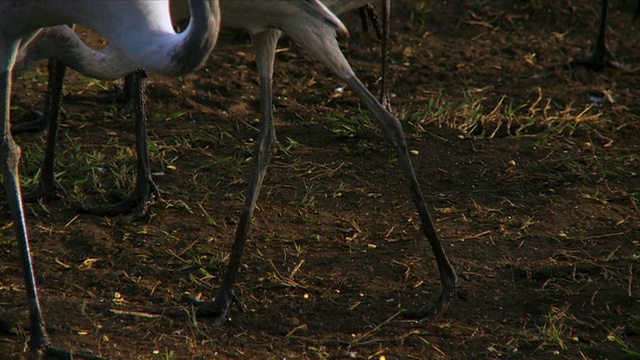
[320, 41]
[141, 35]
[266, 27]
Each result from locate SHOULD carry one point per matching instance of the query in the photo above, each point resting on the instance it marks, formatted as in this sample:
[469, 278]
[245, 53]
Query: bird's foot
[8, 326]
[38, 125]
[597, 65]
[131, 207]
[423, 314]
[217, 310]
[598, 61]
[47, 191]
[42, 348]
[386, 102]
[52, 353]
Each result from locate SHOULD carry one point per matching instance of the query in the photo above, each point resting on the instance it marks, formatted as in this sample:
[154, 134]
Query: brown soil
[534, 189]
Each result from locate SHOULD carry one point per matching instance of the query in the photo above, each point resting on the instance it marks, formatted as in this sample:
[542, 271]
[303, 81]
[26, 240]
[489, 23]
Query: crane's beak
[318, 10]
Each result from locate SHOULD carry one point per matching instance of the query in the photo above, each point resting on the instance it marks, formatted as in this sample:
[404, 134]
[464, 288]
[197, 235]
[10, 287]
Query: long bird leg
[601, 56]
[48, 187]
[321, 42]
[393, 131]
[367, 13]
[135, 205]
[42, 122]
[364, 18]
[41, 347]
[264, 44]
[384, 76]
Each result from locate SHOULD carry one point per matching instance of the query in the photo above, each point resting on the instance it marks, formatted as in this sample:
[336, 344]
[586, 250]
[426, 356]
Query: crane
[320, 41]
[141, 35]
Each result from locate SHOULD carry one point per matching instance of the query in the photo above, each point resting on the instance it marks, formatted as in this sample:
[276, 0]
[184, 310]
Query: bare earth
[532, 180]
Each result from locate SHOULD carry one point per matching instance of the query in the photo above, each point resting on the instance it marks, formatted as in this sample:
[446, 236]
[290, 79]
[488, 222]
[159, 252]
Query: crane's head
[317, 9]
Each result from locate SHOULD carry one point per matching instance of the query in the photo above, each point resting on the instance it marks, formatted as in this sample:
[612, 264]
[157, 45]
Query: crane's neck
[63, 43]
[176, 54]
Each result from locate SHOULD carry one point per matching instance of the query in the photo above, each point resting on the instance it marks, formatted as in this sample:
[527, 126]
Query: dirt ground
[530, 171]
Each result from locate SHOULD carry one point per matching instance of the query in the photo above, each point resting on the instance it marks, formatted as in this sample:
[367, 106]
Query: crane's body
[140, 32]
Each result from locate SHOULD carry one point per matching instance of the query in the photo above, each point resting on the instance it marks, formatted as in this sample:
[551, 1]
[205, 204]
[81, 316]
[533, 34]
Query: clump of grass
[478, 117]
[553, 331]
[347, 123]
[616, 336]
